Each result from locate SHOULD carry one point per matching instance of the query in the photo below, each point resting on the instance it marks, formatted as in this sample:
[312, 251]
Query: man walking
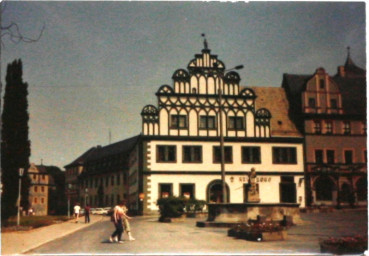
[87, 214]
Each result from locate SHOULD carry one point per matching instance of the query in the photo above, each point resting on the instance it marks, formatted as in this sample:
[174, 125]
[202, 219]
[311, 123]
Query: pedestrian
[87, 214]
[76, 211]
[117, 218]
[126, 225]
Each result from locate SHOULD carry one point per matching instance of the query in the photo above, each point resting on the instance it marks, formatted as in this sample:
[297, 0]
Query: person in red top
[87, 214]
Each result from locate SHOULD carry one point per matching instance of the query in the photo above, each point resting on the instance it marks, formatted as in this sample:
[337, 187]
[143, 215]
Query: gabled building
[331, 113]
[179, 153]
[39, 189]
[72, 172]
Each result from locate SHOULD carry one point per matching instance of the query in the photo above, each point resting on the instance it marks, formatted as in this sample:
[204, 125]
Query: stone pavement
[19, 242]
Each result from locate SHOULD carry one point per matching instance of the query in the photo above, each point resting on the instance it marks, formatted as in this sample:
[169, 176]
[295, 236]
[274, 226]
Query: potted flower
[344, 245]
[259, 231]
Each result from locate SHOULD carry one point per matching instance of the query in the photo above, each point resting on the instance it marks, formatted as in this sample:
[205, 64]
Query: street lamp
[222, 169]
[68, 191]
[86, 194]
[21, 171]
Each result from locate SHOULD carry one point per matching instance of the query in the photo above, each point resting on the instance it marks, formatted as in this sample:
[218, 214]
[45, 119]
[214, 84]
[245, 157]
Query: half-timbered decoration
[331, 112]
[180, 153]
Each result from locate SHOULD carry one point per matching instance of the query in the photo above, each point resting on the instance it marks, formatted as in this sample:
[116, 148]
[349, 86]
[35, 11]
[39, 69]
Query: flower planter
[258, 232]
[345, 245]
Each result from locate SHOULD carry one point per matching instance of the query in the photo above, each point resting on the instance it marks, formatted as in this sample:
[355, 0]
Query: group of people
[121, 223]
[119, 218]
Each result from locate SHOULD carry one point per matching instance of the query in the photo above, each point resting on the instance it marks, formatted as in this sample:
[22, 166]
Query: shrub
[171, 207]
[193, 205]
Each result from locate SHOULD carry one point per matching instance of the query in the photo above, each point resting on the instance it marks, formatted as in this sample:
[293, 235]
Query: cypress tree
[15, 145]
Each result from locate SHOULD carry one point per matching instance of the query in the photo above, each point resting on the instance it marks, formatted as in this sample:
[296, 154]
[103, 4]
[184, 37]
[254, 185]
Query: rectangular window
[328, 127]
[42, 189]
[192, 154]
[317, 127]
[187, 190]
[35, 188]
[178, 121]
[106, 181]
[311, 103]
[118, 180]
[112, 199]
[346, 127]
[42, 200]
[166, 154]
[334, 103]
[35, 200]
[348, 156]
[207, 122]
[235, 123]
[330, 156]
[364, 128]
[284, 155]
[321, 83]
[251, 155]
[112, 180]
[365, 157]
[319, 156]
[227, 154]
[165, 190]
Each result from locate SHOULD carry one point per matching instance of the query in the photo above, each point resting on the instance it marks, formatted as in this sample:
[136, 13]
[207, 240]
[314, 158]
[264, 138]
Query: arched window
[362, 189]
[324, 187]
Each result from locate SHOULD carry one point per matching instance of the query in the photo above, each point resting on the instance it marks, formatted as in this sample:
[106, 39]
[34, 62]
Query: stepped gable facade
[331, 113]
[180, 150]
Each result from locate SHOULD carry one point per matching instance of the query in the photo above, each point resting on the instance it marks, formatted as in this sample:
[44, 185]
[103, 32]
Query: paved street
[154, 237]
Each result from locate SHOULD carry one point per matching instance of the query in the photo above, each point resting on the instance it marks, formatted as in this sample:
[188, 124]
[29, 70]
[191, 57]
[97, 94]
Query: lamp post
[21, 171]
[222, 168]
[68, 191]
[86, 194]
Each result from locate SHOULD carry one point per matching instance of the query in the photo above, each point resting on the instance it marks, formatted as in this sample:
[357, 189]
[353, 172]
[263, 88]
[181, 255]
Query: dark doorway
[287, 189]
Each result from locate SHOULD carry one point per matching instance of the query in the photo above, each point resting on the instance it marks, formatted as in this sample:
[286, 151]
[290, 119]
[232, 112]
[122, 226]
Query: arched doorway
[214, 192]
[345, 192]
[362, 189]
[324, 187]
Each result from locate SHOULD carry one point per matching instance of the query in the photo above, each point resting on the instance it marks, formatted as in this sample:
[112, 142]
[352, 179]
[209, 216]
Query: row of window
[36, 201]
[193, 154]
[312, 103]
[207, 122]
[346, 130]
[96, 182]
[107, 200]
[330, 156]
[42, 188]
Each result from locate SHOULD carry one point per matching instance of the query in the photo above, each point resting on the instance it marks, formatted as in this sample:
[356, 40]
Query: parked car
[93, 210]
[99, 211]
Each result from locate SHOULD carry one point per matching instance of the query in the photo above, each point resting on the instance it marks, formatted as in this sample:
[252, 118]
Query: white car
[99, 211]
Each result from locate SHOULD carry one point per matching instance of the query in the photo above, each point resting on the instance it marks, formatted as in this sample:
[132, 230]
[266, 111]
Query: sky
[98, 64]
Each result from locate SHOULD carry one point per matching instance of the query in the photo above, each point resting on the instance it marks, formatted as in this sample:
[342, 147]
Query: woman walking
[117, 218]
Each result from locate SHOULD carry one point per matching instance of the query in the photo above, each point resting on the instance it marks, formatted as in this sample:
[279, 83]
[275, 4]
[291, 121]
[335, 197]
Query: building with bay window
[179, 149]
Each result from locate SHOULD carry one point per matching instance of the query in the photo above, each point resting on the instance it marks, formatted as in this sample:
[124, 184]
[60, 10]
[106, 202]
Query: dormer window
[178, 121]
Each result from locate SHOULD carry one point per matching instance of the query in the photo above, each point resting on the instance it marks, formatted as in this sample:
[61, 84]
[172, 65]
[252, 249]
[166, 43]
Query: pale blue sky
[99, 63]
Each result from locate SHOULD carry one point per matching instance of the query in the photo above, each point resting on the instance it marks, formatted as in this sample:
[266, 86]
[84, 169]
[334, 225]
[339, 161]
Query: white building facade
[179, 151]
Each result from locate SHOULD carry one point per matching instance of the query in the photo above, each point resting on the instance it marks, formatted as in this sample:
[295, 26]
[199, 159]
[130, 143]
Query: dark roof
[120, 147]
[353, 91]
[352, 70]
[81, 159]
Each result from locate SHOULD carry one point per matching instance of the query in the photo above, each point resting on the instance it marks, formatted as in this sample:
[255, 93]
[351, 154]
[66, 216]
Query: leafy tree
[15, 145]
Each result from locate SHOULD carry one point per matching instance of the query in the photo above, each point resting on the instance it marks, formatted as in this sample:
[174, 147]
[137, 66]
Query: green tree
[15, 145]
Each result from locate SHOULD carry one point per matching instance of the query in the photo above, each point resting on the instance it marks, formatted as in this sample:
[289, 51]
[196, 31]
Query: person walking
[126, 225]
[87, 214]
[76, 211]
[117, 218]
